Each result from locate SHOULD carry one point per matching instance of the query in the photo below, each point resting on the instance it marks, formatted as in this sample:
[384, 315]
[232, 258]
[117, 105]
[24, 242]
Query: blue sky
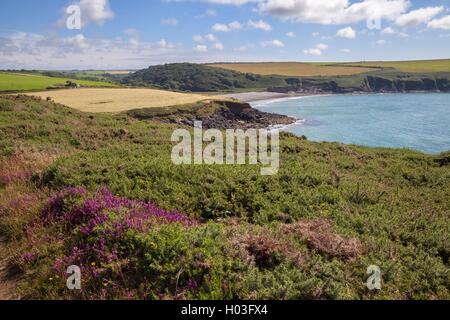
[117, 34]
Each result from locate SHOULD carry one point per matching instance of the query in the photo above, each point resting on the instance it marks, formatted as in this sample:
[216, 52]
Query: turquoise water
[414, 121]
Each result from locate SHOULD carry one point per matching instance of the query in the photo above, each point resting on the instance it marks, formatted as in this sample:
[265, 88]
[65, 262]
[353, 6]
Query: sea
[419, 121]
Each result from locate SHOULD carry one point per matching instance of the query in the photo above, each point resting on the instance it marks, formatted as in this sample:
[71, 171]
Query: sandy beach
[248, 97]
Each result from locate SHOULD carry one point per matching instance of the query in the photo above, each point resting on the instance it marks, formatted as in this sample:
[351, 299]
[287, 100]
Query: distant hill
[203, 78]
[199, 78]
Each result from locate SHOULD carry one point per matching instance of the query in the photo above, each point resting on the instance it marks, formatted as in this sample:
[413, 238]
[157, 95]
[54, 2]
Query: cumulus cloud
[333, 11]
[201, 48]
[347, 33]
[291, 34]
[392, 31]
[317, 51]
[313, 52]
[273, 43]
[416, 17]
[262, 25]
[220, 27]
[442, 23]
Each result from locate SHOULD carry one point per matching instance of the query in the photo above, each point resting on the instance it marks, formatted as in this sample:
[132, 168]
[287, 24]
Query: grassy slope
[419, 66]
[257, 237]
[22, 82]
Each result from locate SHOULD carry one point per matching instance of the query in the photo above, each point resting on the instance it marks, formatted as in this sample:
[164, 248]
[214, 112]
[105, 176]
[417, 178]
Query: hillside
[198, 78]
[202, 78]
[100, 191]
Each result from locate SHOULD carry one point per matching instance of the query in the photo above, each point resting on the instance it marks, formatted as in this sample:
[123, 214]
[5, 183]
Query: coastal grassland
[12, 82]
[309, 232]
[118, 99]
[418, 66]
[293, 69]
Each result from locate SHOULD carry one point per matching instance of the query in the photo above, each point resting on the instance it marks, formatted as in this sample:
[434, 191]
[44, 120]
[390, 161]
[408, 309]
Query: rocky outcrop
[215, 114]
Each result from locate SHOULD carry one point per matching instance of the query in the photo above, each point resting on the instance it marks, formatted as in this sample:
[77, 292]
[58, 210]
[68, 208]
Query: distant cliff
[376, 82]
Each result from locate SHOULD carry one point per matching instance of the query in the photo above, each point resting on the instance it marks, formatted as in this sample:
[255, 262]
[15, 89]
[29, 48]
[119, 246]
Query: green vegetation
[199, 78]
[202, 78]
[12, 82]
[309, 232]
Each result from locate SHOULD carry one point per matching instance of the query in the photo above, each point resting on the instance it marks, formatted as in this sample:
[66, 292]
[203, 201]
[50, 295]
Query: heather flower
[28, 257]
[100, 221]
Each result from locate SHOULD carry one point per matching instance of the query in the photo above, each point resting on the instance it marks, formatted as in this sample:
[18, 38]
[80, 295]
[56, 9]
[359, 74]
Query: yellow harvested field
[118, 99]
[292, 69]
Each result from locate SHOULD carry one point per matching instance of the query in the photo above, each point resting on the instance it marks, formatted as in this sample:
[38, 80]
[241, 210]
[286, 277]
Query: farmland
[419, 66]
[21, 82]
[292, 69]
[118, 99]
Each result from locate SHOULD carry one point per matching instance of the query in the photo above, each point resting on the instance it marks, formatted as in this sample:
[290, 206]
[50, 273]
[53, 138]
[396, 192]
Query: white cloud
[317, 51]
[388, 30]
[79, 42]
[333, 11]
[290, 34]
[313, 52]
[322, 46]
[165, 45]
[347, 33]
[392, 31]
[262, 25]
[273, 43]
[345, 51]
[201, 48]
[381, 42]
[235, 25]
[210, 37]
[442, 23]
[220, 27]
[416, 17]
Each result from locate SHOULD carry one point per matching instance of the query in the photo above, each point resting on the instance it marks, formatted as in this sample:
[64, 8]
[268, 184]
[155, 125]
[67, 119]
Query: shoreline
[251, 97]
[267, 96]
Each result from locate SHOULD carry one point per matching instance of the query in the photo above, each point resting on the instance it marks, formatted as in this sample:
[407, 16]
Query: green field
[405, 66]
[24, 82]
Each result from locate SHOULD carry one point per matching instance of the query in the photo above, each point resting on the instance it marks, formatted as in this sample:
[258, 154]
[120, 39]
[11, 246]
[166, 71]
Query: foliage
[309, 232]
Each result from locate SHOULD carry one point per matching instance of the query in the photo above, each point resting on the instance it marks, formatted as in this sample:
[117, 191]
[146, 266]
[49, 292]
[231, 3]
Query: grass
[292, 69]
[418, 66]
[120, 99]
[75, 188]
[24, 82]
